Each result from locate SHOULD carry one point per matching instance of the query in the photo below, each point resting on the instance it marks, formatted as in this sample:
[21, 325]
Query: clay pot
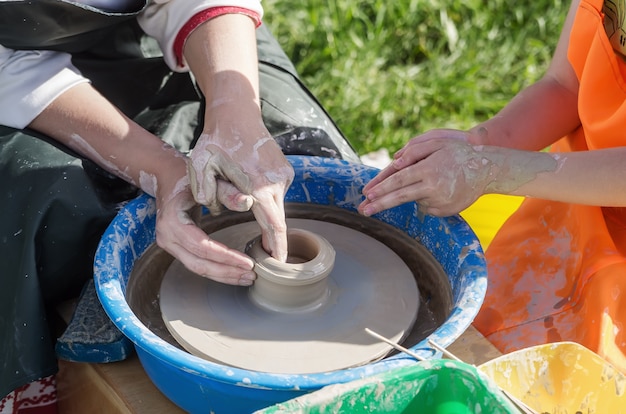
[300, 284]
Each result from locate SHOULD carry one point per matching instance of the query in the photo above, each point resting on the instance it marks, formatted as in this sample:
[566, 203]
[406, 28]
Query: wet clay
[369, 286]
[435, 296]
[300, 283]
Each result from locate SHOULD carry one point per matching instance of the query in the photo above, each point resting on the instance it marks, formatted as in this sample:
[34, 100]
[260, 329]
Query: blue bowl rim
[107, 267]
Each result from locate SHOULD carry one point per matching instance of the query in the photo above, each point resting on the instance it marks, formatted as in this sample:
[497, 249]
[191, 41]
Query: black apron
[55, 204]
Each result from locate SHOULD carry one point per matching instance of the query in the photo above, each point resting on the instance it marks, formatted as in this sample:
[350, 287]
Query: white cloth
[163, 19]
[31, 80]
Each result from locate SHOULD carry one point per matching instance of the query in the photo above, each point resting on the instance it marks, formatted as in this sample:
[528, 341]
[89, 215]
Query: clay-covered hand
[439, 169]
[178, 234]
[256, 170]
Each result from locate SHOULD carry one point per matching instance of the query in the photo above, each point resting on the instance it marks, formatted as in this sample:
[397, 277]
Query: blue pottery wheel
[200, 386]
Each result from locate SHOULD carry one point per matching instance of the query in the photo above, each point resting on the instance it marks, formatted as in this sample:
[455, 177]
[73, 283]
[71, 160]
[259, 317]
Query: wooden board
[118, 387]
[473, 348]
[124, 387]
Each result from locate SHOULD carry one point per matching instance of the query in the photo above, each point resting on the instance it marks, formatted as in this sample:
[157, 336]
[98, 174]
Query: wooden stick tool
[517, 402]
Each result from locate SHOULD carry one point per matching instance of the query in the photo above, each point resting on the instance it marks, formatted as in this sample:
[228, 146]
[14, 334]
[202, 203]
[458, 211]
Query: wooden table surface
[124, 387]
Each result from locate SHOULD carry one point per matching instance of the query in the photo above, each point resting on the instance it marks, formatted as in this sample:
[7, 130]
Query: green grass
[388, 70]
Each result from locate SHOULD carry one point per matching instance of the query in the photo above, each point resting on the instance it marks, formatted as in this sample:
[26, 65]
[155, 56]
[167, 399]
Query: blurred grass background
[388, 70]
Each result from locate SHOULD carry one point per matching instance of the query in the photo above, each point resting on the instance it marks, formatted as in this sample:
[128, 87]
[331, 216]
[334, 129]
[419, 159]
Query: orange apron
[557, 271]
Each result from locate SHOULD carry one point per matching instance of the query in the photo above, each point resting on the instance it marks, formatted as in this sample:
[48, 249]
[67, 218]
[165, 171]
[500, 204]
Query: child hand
[440, 170]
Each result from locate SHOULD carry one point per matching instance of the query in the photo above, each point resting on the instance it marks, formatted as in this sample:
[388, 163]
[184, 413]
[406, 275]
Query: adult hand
[255, 170]
[439, 169]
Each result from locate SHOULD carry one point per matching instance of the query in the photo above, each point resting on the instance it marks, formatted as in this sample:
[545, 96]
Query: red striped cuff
[205, 16]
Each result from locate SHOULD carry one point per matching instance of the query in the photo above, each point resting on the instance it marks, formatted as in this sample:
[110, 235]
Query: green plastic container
[430, 387]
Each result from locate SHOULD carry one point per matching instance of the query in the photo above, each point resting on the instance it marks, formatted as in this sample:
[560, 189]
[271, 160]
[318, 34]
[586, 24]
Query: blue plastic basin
[200, 386]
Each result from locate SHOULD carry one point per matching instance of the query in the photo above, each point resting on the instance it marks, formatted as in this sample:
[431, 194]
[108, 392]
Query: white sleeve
[163, 19]
[30, 80]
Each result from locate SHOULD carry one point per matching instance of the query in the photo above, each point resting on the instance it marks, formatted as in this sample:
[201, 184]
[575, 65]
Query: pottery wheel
[370, 286]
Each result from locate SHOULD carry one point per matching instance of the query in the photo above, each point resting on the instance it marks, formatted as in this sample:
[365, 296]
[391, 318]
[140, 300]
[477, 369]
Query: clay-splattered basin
[200, 386]
[438, 386]
[562, 377]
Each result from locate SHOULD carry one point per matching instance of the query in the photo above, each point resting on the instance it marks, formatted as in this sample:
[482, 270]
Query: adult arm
[235, 146]
[85, 121]
[42, 90]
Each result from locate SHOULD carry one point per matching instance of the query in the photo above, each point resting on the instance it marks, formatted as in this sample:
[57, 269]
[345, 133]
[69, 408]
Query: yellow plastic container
[488, 213]
[560, 378]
